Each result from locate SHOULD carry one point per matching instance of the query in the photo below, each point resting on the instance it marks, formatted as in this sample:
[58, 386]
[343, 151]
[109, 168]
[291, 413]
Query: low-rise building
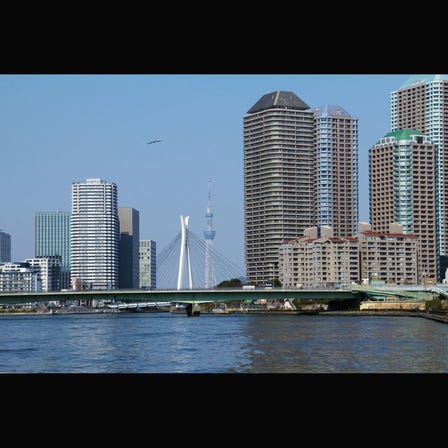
[320, 260]
[390, 257]
[48, 270]
[19, 277]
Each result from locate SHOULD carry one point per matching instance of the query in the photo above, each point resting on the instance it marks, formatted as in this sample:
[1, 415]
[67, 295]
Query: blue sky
[58, 129]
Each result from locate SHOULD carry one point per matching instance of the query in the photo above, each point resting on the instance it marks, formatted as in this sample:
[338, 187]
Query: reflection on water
[347, 344]
[172, 343]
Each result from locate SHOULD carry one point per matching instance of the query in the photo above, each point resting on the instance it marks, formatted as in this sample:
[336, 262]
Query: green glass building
[52, 237]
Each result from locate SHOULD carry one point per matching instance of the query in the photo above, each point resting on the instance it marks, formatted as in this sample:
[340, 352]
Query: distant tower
[5, 247]
[209, 235]
[129, 224]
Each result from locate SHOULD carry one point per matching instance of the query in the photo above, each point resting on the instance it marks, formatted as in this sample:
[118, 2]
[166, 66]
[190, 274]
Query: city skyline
[57, 129]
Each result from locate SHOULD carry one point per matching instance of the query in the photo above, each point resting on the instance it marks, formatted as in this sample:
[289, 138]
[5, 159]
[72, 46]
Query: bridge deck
[215, 295]
[178, 296]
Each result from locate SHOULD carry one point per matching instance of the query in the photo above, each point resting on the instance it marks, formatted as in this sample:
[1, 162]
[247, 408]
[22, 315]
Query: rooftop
[423, 79]
[329, 110]
[280, 100]
[402, 134]
[386, 234]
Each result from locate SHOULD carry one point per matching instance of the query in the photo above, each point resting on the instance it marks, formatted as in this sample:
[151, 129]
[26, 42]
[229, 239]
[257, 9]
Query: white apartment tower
[94, 235]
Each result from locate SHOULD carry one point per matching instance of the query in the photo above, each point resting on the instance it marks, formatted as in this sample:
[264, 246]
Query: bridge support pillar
[193, 309]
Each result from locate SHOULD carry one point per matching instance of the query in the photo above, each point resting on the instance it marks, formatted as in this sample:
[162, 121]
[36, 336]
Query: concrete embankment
[433, 316]
[442, 317]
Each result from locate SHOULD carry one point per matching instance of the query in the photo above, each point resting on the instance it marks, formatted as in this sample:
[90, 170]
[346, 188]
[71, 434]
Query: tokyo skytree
[209, 235]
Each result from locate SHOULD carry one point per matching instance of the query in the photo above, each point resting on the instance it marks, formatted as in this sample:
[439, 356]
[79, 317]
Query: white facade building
[19, 277]
[147, 264]
[48, 270]
[94, 235]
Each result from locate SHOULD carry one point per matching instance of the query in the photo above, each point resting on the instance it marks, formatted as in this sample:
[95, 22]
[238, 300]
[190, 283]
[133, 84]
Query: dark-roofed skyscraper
[279, 179]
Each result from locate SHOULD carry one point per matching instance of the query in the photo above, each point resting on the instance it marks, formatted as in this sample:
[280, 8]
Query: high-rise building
[129, 247]
[52, 237]
[279, 179]
[94, 234]
[147, 263]
[422, 103]
[337, 170]
[5, 247]
[402, 191]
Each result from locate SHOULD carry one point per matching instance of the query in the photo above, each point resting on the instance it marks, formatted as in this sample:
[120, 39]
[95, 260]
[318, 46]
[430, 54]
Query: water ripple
[169, 343]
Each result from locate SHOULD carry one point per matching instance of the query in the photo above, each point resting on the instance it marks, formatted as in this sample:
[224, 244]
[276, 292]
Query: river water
[234, 343]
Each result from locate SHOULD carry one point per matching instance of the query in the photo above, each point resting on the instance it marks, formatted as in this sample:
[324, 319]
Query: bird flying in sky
[154, 141]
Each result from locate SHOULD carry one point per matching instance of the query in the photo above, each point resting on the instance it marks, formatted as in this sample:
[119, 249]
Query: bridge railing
[399, 293]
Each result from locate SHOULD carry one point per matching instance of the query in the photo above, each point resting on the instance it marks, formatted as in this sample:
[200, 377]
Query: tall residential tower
[337, 170]
[422, 103]
[402, 191]
[94, 234]
[279, 179]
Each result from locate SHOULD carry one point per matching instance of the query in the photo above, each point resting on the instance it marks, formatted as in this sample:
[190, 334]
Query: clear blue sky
[58, 129]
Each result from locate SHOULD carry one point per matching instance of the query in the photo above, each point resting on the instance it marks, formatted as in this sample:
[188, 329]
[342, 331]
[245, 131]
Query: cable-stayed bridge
[185, 261]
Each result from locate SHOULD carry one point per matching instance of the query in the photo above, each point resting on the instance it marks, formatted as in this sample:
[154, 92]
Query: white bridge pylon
[184, 251]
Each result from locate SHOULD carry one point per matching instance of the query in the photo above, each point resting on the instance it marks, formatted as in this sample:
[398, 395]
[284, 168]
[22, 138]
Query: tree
[232, 283]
